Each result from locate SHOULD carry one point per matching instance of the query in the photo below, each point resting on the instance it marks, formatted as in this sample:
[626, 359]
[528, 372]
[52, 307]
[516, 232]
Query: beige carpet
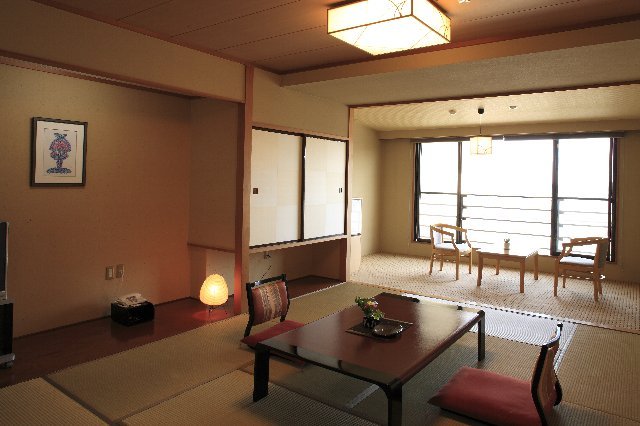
[619, 308]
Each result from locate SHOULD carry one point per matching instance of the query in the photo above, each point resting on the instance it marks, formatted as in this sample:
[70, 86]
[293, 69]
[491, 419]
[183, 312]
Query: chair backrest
[601, 252]
[267, 299]
[545, 387]
[601, 249]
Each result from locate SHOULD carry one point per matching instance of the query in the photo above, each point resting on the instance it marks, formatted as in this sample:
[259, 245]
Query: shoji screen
[324, 187]
[276, 175]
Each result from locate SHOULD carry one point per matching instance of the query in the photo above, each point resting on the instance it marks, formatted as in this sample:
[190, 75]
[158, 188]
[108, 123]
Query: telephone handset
[132, 299]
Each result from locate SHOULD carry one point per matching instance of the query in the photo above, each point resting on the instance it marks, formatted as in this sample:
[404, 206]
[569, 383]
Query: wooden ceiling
[291, 35]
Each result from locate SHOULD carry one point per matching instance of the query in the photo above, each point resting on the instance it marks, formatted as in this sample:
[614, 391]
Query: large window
[538, 192]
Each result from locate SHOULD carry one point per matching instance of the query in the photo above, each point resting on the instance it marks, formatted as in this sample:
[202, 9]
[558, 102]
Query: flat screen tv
[4, 257]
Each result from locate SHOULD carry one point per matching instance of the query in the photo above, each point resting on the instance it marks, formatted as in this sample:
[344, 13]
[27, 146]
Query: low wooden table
[388, 363]
[513, 255]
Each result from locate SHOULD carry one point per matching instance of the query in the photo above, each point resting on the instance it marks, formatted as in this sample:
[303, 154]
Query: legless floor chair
[268, 299]
[502, 400]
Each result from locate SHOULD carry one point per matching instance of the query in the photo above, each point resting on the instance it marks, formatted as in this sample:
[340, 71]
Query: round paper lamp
[214, 290]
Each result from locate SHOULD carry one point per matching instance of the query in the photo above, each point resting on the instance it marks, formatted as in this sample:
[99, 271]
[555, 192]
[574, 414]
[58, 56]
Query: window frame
[554, 247]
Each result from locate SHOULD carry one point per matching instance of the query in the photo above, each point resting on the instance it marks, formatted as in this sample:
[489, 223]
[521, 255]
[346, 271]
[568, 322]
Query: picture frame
[58, 152]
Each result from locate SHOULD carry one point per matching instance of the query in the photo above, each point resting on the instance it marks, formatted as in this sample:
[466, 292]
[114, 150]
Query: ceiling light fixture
[384, 26]
[481, 145]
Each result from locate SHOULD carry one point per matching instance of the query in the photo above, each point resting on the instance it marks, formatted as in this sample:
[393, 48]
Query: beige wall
[282, 107]
[397, 215]
[133, 209]
[214, 127]
[54, 36]
[367, 174]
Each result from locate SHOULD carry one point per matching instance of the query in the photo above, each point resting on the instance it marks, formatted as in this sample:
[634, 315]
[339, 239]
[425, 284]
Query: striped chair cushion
[269, 301]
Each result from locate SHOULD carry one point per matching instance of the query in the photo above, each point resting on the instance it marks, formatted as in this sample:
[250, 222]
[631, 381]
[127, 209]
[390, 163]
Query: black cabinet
[130, 315]
[6, 334]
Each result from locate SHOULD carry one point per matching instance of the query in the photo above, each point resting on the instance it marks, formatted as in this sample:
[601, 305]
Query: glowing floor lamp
[214, 291]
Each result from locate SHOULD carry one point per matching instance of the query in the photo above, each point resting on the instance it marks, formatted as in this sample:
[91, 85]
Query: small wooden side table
[513, 255]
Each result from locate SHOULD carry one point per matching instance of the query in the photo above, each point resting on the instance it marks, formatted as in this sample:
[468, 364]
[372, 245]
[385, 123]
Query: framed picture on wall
[58, 152]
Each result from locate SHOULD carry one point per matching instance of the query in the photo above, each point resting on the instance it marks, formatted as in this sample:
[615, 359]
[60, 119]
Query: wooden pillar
[243, 182]
[345, 244]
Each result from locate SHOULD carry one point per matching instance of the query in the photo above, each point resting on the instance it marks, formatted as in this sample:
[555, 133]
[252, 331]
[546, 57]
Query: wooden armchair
[443, 244]
[584, 267]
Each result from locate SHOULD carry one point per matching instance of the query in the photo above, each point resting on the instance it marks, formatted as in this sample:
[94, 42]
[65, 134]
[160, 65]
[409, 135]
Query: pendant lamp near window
[481, 145]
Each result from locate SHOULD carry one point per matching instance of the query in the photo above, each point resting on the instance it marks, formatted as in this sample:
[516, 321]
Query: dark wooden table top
[327, 343]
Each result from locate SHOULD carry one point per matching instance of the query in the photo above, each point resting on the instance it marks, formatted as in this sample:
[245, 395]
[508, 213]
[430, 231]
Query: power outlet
[119, 271]
[108, 273]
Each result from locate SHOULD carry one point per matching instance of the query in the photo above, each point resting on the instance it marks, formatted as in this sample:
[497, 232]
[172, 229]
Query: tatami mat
[197, 378]
[619, 306]
[601, 370]
[129, 381]
[228, 401]
[36, 402]
[341, 392]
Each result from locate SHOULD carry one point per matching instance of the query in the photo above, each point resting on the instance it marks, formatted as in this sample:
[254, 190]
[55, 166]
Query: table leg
[497, 266]
[535, 266]
[261, 374]
[394, 398]
[481, 335]
[480, 262]
[522, 276]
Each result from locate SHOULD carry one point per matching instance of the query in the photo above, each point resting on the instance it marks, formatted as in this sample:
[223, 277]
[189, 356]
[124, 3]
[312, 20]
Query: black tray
[368, 332]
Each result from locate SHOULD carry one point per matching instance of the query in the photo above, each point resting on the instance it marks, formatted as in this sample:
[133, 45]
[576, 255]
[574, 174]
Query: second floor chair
[504, 400]
[572, 264]
[443, 244]
[268, 299]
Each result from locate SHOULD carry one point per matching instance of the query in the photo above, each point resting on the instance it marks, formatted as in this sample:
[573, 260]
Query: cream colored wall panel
[285, 217]
[324, 204]
[262, 225]
[103, 49]
[275, 172]
[296, 110]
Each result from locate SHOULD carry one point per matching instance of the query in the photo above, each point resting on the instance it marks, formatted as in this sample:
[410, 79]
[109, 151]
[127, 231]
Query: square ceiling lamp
[385, 26]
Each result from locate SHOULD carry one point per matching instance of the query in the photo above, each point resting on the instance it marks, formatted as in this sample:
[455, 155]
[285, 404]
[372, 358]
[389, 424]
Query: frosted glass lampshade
[384, 26]
[214, 290]
[481, 145]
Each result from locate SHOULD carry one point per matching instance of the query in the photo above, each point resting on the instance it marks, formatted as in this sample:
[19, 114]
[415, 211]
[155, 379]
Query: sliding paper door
[275, 187]
[324, 187]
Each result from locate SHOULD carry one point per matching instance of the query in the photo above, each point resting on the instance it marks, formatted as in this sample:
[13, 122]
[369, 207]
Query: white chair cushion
[582, 261]
[449, 246]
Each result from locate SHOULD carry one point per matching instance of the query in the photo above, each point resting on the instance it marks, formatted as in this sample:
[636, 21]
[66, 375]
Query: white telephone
[132, 299]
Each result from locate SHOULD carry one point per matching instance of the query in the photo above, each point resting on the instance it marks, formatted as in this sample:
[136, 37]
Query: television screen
[4, 257]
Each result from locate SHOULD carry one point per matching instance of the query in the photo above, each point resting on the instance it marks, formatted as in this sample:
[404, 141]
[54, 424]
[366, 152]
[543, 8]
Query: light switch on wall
[119, 271]
[108, 273]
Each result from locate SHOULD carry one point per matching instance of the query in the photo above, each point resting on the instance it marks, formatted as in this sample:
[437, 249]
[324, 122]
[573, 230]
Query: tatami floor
[43, 353]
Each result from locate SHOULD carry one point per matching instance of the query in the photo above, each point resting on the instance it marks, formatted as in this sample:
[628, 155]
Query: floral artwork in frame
[58, 152]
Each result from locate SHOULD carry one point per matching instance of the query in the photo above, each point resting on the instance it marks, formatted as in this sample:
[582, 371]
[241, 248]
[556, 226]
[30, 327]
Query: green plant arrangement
[370, 307]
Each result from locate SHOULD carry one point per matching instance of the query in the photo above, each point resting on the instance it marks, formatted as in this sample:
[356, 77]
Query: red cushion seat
[489, 397]
[281, 327]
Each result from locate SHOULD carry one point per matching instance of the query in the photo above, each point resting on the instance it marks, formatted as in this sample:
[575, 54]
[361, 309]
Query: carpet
[619, 307]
